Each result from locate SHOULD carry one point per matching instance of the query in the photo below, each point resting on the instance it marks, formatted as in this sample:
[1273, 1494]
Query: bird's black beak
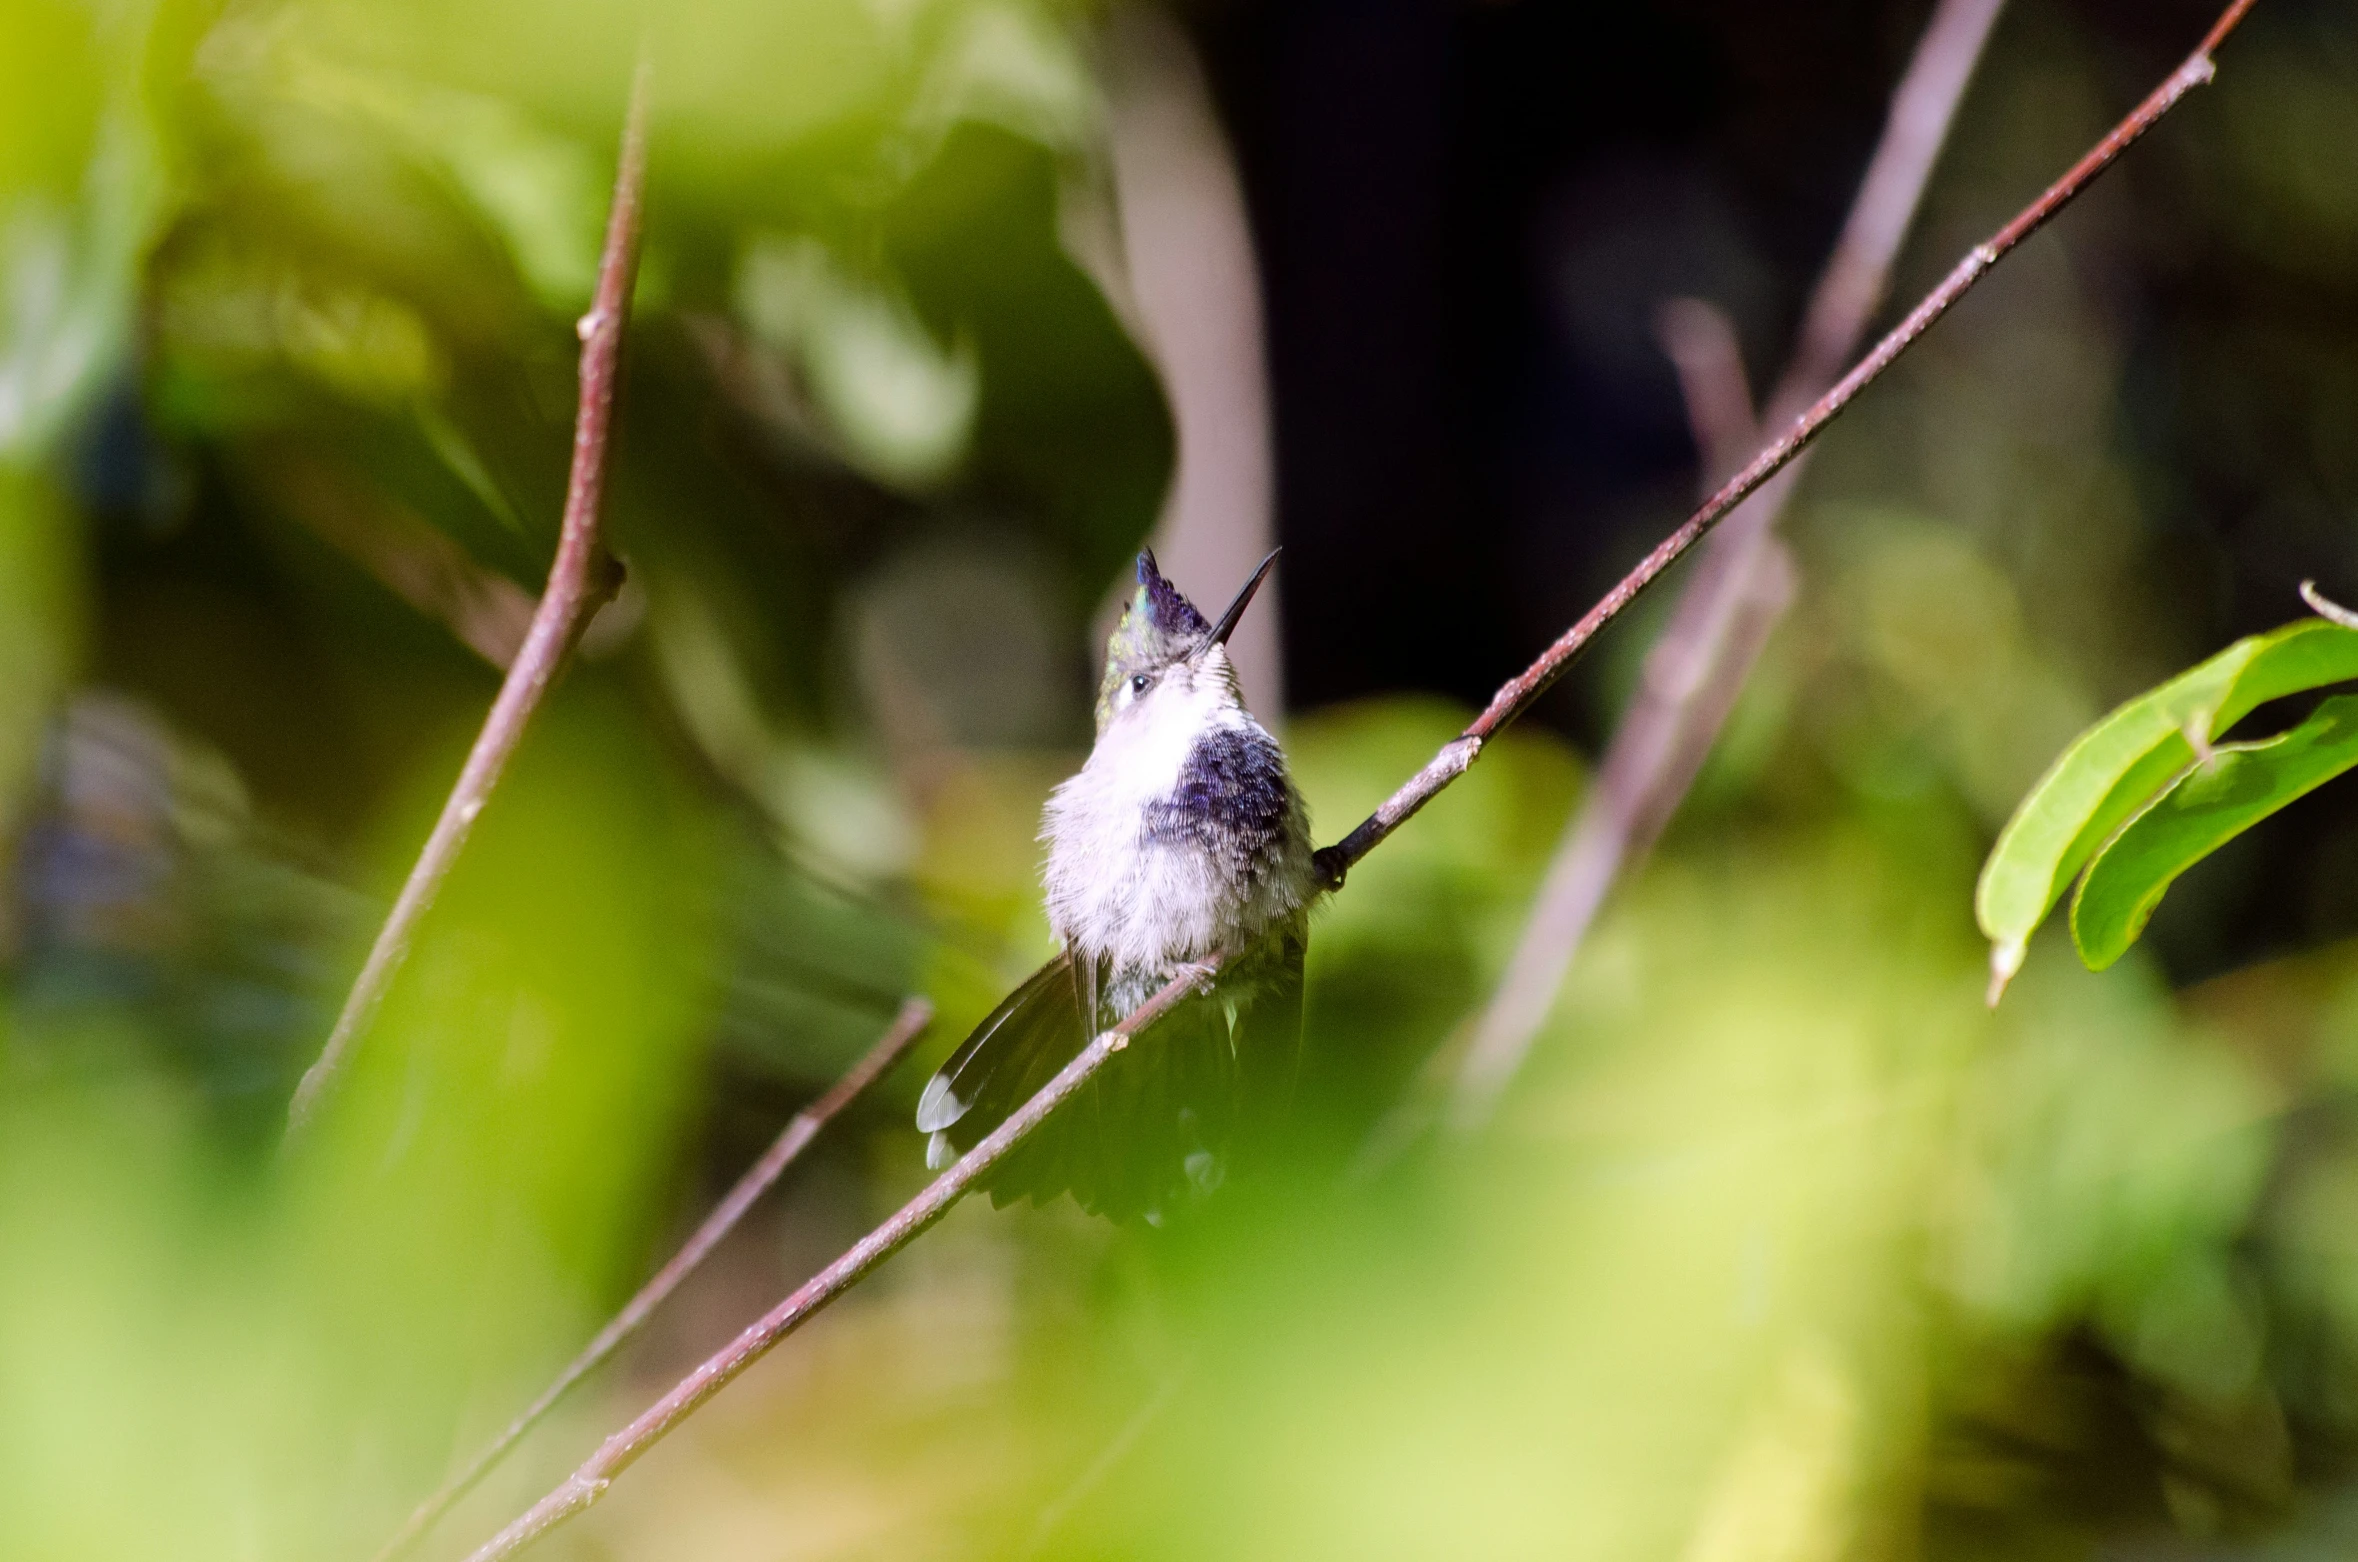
[1227, 625]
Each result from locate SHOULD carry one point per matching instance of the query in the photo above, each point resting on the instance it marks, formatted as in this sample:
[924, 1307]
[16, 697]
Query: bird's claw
[1197, 973]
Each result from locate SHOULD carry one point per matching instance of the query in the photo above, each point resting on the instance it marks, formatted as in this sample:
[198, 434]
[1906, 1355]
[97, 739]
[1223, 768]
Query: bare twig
[1518, 694]
[2326, 608]
[1699, 667]
[907, 1026]
[1700, 341]
[1858, 273]
[581, 577]
[1108, 1459]
[1705, 678]
[588, 1483]
[1686, 671]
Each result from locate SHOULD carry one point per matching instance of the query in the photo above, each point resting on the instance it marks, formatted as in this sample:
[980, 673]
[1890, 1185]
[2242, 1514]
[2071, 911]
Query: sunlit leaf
[542, 193]
[1010, 66]
[900, 405]
[66, 277]
[2206, 807]
[2119, 763]
[230, 314]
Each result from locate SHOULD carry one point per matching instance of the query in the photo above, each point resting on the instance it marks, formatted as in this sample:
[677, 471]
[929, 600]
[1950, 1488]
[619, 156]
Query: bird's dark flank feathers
[1231, 799]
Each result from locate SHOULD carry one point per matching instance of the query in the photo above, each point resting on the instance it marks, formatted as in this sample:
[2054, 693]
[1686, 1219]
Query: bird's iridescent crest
[1159, 626]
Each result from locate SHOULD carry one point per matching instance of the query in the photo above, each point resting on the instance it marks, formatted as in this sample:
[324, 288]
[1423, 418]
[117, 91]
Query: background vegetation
[1785, 1247]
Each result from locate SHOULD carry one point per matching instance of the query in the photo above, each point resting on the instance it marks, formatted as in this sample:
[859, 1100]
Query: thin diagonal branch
[1700, 342]
[1518, 694]
[1109, 1458]
[1723, 619]
[590, 1481]
[907, 1026]
[581, 577]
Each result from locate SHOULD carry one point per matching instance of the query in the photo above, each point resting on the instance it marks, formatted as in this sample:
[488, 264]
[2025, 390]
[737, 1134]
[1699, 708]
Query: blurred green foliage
[1788, 1249]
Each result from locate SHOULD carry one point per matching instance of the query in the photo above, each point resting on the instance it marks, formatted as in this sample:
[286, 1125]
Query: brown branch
[589, 1482]
[1700, 341]
[580, 578]
[1518, 694]
[619, 1452]
[1857, 275]
[1698, 668]
[907, 1026]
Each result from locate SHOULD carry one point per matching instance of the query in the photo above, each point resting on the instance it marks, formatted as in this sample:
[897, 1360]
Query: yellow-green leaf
[2207, 806]
[2116, 766]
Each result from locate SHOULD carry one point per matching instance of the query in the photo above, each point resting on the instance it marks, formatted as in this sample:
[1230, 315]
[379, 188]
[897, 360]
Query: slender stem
[581, 577]
[2325, 608]
[1517, 694]
[1857, 275]
[899, 1037]
[588, 1483]
[1109, 1458]
[1739, 590]
[1700, 341]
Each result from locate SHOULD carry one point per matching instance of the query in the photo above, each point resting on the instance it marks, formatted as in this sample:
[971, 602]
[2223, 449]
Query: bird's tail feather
[1155, 1129]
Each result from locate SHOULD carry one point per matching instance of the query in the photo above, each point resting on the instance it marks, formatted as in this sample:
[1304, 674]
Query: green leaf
[2116, 766]
[2206, 807]
[69, 270]
[542, 193]
[900, 404]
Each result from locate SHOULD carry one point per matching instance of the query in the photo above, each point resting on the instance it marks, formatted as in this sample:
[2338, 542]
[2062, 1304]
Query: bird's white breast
[1117, 893]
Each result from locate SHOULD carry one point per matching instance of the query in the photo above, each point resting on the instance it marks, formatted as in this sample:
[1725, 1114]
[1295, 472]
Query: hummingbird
[1182, 835]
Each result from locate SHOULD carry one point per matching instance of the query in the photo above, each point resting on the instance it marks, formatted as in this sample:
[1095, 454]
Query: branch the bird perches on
[907, 1026]
[1739, 590]
[590, 1481]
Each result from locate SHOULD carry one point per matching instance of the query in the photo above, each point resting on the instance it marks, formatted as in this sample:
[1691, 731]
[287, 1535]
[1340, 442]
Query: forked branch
[1518, 694]
[583, 1488]
[619, 1452]
[1695, 672]
[581, 577]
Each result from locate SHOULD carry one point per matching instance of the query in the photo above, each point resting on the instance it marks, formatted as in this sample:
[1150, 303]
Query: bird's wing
[1206, 1091]
[1039, 1021]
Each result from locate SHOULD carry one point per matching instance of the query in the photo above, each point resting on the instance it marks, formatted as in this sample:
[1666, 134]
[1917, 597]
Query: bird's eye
[1139, 683]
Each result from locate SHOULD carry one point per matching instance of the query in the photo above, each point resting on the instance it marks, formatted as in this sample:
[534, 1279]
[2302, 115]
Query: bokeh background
[1784, 1248]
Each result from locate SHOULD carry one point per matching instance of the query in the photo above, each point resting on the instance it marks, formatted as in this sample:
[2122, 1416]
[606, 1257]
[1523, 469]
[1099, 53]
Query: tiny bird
[1182, 835]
